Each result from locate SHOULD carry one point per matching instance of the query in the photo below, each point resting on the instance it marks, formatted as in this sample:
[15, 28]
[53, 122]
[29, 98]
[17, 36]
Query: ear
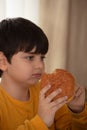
[3, 62]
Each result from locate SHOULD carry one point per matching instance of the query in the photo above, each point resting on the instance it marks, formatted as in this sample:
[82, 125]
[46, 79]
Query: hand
[78, 102]
[47, 107]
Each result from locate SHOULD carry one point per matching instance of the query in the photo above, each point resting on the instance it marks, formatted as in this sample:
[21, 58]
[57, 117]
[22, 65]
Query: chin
[33, 82]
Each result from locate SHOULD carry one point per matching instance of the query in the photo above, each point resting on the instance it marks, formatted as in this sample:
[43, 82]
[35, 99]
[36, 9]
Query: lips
[37, 75]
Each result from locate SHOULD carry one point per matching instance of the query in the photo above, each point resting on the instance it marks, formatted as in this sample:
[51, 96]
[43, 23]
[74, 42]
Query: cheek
[20, 71]
[24, 70]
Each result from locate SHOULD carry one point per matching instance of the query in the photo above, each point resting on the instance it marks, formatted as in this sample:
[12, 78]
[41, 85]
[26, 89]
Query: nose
[39, 63]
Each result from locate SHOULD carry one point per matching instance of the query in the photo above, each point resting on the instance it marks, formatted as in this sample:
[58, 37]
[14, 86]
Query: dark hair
[19, 34]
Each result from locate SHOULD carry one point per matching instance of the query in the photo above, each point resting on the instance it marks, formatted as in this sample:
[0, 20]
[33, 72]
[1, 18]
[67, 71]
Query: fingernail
[49, 86]
[66, 97]
[60, 90]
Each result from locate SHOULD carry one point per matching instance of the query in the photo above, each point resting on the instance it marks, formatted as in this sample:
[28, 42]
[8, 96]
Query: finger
[53, 94]
[77, 86]
[59, 104]
[59, 101]
[44, 90]
[79, 91]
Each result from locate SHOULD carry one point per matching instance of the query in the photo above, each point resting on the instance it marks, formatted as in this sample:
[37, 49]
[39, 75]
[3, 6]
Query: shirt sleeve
[35, 124]
[63, 119]
[79, 120]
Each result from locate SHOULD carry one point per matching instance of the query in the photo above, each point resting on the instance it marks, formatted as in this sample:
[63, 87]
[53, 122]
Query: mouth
[37, 75]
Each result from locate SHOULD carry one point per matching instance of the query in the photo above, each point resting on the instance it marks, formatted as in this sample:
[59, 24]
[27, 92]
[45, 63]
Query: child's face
[25, 68]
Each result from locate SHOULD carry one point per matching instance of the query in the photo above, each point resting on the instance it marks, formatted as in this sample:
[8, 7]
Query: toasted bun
[60, 78]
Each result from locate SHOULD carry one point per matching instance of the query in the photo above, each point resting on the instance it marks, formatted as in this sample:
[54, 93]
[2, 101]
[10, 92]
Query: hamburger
[60, 78]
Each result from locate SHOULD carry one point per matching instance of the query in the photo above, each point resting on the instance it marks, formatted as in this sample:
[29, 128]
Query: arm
[77, 104]
[78, 108]
[55, 114]
[74, 118]
[80, 119]
[46, 112]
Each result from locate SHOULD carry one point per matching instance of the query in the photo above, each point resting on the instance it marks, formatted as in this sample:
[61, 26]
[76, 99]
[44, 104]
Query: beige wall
[65, 23]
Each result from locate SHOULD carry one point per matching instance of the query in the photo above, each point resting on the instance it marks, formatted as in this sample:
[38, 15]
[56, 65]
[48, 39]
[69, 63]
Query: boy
[23, 46]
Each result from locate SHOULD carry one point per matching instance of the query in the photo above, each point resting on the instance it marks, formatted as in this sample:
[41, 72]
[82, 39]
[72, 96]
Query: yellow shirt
[19, 115]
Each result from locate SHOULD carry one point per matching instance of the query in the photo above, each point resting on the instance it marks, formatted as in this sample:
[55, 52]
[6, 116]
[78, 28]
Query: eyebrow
[31, 52]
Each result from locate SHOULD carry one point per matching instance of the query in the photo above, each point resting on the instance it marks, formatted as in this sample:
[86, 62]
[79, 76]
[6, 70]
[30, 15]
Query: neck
[16, 91]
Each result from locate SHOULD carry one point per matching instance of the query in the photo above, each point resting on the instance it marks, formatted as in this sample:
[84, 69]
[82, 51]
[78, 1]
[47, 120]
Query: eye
[30, 58]
[43, 57]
